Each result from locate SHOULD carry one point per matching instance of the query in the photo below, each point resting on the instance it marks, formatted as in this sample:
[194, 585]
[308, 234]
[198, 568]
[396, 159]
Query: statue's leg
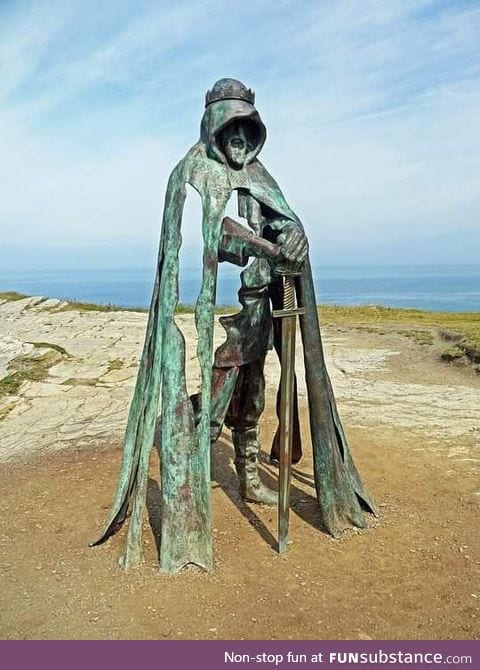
[245, 409]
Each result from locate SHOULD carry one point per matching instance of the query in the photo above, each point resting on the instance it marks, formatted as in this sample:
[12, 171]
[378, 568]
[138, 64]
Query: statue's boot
[246, 463]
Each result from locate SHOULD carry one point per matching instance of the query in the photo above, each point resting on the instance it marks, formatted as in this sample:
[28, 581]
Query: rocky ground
[413, 424]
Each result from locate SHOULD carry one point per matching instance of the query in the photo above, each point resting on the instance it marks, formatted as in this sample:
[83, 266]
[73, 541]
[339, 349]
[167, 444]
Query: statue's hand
[292, 252]
[293, 246]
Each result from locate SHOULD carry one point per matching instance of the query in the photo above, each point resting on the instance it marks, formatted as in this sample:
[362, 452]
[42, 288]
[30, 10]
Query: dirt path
[415, 573]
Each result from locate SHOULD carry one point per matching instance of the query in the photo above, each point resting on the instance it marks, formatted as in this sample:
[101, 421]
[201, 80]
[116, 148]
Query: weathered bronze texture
[232, 391]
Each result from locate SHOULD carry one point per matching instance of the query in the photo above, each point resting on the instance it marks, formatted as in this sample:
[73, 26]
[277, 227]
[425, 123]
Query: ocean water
[433, 287]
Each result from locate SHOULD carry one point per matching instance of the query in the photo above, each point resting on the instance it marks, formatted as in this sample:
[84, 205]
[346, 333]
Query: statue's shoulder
[205, 174]
[183, 168]
[259, 173]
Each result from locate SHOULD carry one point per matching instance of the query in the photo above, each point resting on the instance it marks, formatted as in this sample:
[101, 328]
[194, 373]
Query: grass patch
[460, 328]
[10, 384]
[11, 296]
[181, 308]
[219, 309]
[378, 314]
[465, 341]
[465, 346]
[423, 337]
[28, 368]
[78, 306]
[184, 309]
[452, 353]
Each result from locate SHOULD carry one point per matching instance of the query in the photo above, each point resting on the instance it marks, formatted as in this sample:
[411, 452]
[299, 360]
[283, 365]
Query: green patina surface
[161, 404]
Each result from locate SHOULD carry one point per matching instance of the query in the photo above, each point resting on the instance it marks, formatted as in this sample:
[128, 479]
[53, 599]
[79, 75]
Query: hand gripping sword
[288, 314]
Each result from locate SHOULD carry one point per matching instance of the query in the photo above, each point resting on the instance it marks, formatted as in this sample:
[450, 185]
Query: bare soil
[413, 574]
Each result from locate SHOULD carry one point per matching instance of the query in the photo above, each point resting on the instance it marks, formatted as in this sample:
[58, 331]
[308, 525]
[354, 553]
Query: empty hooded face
[235, 145]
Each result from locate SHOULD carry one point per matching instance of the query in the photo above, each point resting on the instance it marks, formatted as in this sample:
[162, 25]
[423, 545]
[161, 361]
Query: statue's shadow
[223, 475]
[154, 511]
[226, 478]
[302, 503]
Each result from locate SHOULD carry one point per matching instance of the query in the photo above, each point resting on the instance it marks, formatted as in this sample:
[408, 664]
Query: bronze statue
[232, 391]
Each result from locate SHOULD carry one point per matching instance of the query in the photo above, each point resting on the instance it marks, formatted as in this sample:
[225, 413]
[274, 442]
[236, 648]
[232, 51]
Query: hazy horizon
[233, 268]
[434, 287]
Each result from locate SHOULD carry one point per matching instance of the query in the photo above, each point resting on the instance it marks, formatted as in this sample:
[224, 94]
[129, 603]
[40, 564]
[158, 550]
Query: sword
[288, 314]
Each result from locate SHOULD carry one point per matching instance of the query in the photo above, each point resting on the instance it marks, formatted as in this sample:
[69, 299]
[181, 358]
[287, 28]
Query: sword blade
[286, 427]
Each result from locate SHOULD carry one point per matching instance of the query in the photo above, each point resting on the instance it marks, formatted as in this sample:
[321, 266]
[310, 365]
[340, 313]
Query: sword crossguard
[289, 300]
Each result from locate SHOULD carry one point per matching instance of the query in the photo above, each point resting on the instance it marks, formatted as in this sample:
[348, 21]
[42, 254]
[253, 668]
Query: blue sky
[372, 109]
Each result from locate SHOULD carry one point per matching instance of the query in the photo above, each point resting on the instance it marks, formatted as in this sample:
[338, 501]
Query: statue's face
[235, 145]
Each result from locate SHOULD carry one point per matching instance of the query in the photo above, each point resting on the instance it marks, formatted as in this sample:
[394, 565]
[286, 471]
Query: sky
[372, 109]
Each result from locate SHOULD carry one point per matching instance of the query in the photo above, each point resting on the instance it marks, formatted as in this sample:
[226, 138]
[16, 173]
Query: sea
[450, 288]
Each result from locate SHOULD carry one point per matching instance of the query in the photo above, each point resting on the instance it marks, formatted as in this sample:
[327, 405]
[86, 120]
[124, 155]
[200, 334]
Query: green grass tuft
[10, 384]
[28, 368]
[75, 305]
[452, 353]
[11, 296]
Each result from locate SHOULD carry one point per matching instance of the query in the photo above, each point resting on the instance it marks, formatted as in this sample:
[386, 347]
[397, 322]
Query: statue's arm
[238, 243]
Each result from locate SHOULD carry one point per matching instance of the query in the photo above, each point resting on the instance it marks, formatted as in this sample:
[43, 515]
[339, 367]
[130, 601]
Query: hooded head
[232, 129]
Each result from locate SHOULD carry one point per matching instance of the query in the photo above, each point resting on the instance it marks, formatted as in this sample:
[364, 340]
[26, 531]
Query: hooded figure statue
[232, 391]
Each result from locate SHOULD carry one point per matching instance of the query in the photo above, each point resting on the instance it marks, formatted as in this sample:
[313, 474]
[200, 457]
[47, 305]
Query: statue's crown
[229, 89]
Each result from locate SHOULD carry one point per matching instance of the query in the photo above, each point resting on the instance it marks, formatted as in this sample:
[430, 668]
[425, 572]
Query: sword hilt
[289, 292]
[289, 299]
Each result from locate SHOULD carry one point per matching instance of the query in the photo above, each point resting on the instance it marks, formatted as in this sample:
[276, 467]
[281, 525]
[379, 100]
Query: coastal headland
[408, 390]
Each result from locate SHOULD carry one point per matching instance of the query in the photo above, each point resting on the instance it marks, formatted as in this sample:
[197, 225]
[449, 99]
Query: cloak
[184, 443]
